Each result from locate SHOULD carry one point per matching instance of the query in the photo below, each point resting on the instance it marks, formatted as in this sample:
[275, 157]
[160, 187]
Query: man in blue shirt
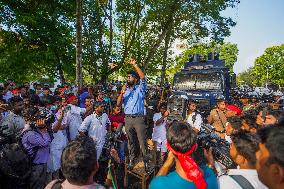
[181, 143]
[132, 96]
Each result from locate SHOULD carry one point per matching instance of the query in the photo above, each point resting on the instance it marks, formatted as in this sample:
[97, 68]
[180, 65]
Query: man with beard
[132, 96]
[14, 119]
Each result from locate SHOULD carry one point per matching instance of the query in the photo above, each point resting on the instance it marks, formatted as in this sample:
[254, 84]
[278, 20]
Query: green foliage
[271, 62]
[227, 51]
[37, 37]
[246, 78]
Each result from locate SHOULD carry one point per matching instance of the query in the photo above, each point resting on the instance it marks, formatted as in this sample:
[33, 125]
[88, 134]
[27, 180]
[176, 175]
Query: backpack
[15, 166]
[242, 181]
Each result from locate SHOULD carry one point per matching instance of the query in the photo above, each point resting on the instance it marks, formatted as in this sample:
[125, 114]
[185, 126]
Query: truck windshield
[195, 81]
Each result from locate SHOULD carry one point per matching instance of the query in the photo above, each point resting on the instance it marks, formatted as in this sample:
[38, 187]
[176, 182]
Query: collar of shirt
[68, 185]
[249, 172]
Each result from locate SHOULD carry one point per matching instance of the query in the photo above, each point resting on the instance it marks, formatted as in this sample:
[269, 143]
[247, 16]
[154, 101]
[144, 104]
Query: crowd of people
[64, 134]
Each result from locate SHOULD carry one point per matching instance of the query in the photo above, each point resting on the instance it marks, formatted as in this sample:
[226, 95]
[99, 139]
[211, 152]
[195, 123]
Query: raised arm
[137, 69]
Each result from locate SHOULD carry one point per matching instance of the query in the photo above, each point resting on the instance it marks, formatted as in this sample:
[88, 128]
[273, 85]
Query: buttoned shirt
[74, 120]
[57, 145]
[197, 122]
[225, 181]
[96, 127]
[133, 99]
[37, 142]
[159, 131]
[218, 120]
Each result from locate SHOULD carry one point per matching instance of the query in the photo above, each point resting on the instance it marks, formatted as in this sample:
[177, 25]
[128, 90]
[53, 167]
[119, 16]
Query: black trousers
[39, 176]
[136, 129]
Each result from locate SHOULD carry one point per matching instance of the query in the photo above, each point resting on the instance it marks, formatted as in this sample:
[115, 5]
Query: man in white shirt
[159, 131]
[58, 143]
[74, 116]
[242, 150]
[96, 126]
[194, 119]
[232, 126]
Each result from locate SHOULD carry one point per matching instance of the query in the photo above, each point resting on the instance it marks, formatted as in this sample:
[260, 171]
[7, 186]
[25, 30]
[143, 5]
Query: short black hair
[273, 138]
[89, 97]
[46, 88]
[14, 100]
[236, 122]
[98, 103]
[181, 136]
[134, 74]
[275, 113]
[163, 105]
[220, 101]
[246, 144]
[250, 118]
[79, 159]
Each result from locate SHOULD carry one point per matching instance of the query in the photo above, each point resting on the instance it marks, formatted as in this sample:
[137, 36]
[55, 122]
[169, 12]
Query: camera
[220, 147]
[111, 140]
[33, 114]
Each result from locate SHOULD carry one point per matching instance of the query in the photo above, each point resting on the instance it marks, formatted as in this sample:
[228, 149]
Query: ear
[240, 160]
[277, 173]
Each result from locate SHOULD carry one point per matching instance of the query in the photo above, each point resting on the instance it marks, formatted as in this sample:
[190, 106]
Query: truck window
[199, 81]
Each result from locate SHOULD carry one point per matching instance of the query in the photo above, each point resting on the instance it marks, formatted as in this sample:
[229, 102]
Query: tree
[227, 51]
[246, 78]
[79, 23]
[36, 40]
[113, 31]
[269, 67]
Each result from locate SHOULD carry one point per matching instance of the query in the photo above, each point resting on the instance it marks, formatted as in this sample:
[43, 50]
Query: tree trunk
[165, 56]
[79, 21]
[61, 74]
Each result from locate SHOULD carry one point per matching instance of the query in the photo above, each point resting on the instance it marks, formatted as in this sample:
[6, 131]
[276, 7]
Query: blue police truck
[202, 80]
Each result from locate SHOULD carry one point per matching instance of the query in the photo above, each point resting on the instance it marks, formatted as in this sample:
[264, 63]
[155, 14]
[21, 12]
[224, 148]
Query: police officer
[218, 118]
[132, 96]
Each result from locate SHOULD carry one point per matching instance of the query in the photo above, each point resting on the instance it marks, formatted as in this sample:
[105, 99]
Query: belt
[224, 131]
[134, 115]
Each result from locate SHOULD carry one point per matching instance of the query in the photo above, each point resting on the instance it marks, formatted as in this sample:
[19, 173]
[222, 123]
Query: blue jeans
[121, 150]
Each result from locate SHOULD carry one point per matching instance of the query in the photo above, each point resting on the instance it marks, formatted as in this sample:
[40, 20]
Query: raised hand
[132, 61]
